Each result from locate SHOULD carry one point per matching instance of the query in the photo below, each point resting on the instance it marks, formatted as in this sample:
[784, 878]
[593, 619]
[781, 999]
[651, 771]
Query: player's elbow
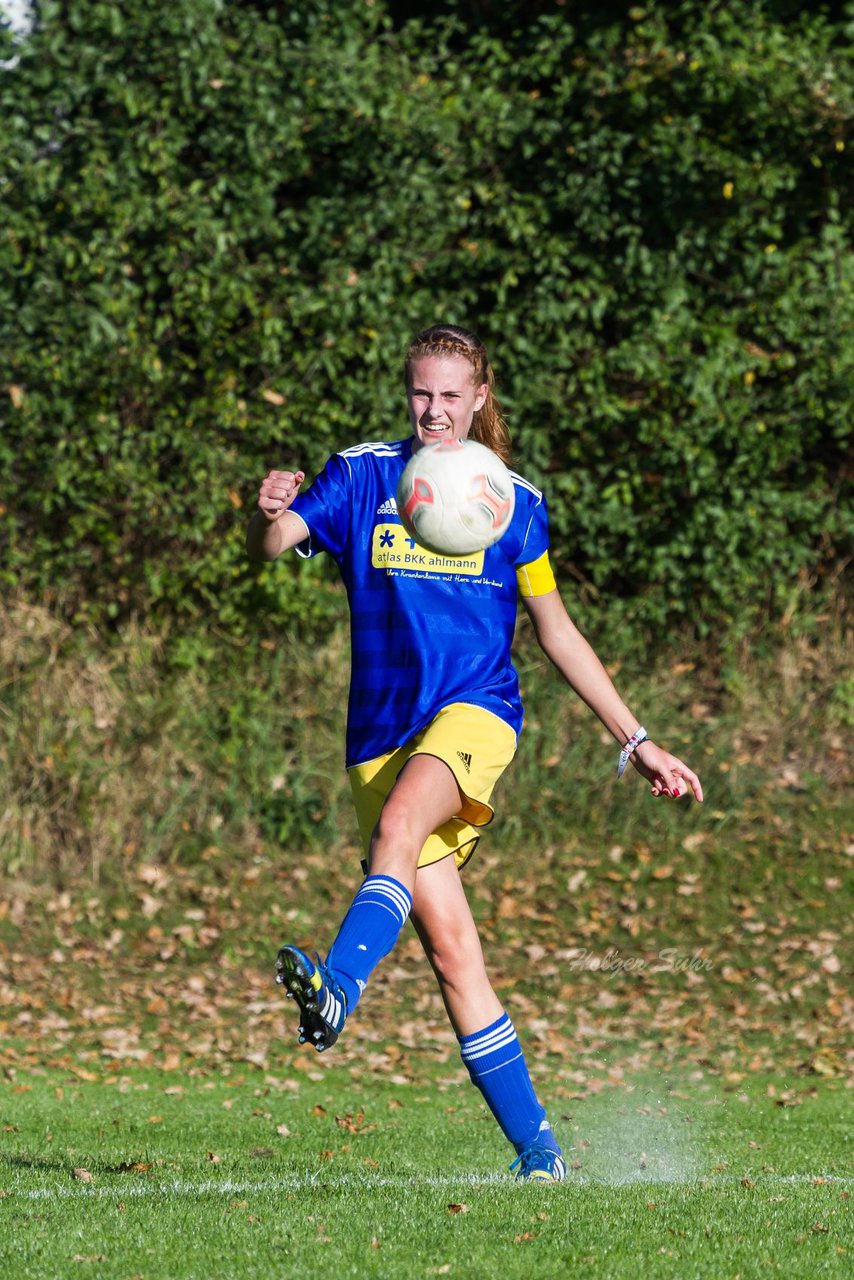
[550, 634]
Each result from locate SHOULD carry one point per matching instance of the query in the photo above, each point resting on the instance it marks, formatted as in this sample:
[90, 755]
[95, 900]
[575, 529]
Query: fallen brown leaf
[351, 1123]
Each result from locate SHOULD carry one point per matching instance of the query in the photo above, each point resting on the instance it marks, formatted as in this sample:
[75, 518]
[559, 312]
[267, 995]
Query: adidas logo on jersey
[466, 759]
[388, 508]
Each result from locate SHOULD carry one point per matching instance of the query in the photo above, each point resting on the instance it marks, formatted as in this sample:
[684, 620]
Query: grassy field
[680, 976]
[279, 1174]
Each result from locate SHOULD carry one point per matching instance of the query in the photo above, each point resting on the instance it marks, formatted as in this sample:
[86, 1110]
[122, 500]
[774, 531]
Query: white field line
[230, 1187]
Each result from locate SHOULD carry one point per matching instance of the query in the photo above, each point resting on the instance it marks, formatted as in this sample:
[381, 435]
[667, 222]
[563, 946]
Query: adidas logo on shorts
[388, 508]
[465, 756]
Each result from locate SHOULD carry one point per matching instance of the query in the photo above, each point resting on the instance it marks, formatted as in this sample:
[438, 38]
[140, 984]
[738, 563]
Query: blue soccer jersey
[426, 630]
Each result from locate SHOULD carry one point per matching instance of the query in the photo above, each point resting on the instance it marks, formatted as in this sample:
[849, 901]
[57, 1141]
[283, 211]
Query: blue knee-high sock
[368, 932]
[497, 1066]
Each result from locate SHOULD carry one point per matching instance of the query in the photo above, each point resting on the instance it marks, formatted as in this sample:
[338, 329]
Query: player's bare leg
[489, 1046]
[444, 923]
[424, 796]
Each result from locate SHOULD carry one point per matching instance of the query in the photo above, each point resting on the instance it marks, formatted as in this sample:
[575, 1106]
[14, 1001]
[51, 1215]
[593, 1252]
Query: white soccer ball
[455, 497]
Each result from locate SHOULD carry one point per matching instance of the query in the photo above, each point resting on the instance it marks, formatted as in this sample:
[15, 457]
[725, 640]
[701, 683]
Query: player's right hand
[277, 492]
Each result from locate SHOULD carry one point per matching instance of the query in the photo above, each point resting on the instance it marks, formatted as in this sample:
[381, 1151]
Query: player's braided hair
[488, 426]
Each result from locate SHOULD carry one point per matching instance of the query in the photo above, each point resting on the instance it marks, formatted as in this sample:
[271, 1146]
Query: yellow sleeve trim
[536, 578]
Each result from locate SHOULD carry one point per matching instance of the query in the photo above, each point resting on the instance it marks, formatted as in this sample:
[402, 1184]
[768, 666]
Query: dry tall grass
[111, 756]
[108, 755]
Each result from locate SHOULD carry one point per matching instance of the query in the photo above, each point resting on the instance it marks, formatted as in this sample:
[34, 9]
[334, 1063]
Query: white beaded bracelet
[634, 741]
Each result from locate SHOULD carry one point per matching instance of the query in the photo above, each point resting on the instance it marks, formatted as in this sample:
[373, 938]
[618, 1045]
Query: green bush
[222, 222]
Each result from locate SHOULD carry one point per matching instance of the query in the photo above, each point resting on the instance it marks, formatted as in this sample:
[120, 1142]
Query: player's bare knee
[395, 831]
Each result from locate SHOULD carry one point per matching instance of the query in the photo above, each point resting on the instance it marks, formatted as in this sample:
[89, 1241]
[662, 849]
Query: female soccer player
[433, 717]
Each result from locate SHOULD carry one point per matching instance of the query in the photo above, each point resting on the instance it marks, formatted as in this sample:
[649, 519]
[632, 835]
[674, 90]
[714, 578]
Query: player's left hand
[669, 776]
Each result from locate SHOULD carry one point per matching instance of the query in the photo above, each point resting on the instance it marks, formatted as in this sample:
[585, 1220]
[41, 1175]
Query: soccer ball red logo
[456, 497]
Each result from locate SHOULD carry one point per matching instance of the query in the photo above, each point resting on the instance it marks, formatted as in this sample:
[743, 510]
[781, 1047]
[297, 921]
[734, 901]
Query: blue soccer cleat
[540, 1163]
[322, 1003]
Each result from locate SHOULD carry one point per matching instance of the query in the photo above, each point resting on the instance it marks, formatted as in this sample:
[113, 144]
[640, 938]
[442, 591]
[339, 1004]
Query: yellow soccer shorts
[477, 747]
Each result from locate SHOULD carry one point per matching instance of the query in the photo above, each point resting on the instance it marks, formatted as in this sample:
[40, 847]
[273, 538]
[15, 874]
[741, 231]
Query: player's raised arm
[274, 528]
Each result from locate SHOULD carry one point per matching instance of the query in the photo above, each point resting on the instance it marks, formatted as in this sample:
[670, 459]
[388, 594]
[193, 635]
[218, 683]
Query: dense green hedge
[220, 223]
